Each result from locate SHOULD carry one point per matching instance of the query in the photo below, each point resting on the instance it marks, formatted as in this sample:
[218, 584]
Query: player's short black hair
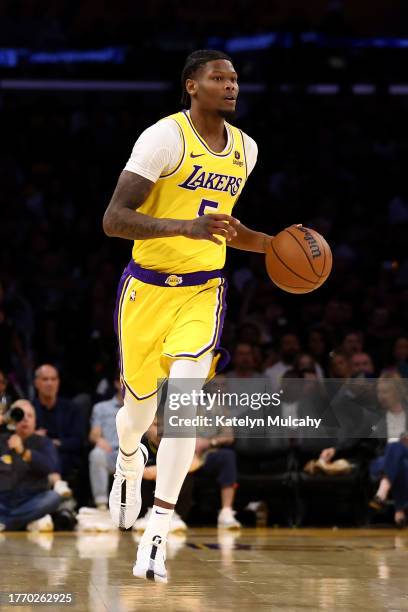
[193, 62]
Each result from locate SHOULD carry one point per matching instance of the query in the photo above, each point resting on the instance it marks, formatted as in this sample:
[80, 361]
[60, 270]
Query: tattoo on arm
[121, 218]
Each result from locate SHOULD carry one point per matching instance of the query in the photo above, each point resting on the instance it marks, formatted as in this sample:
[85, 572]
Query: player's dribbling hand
[206, 227]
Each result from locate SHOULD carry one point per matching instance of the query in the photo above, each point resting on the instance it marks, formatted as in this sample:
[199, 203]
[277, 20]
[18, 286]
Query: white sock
[129, 461]
[158, 524]
[175, 455]
[173, 461]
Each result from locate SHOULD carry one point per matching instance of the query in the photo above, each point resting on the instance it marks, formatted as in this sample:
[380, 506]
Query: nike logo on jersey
[211, 180]
[197, 155]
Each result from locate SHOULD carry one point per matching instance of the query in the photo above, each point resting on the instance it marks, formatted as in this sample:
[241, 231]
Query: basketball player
[174, 199]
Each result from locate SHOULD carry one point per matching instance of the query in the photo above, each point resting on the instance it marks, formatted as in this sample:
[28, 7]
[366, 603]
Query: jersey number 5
[206, 204]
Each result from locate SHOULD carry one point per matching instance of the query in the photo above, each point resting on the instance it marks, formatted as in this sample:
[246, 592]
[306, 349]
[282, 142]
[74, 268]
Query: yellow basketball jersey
[202, 182]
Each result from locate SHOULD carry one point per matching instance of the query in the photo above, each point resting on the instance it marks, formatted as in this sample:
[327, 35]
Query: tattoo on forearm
[133, 225]
[121, 218]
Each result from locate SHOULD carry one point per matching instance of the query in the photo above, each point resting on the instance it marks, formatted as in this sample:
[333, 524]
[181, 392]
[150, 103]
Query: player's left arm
[248, 239]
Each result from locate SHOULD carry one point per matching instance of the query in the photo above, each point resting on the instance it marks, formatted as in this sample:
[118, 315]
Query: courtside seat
[330, 499]
[265, 468]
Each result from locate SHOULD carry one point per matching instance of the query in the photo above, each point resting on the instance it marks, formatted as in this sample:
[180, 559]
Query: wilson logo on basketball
[298, 259]
[314, 247]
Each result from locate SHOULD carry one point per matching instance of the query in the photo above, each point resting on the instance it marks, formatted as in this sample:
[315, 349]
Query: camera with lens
[10, 418]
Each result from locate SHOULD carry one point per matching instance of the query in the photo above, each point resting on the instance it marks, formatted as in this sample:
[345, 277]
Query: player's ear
[191, 86]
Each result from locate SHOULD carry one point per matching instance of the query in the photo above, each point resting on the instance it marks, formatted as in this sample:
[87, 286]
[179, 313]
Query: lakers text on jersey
[202, 182]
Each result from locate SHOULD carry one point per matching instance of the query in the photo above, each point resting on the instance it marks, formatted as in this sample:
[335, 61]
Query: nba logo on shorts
[132, 295]
[173, 280]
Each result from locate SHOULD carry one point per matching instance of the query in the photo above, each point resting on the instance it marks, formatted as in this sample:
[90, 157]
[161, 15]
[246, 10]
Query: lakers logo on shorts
[173, 280]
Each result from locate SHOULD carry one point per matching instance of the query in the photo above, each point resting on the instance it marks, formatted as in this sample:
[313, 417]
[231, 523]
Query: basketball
[298, 260]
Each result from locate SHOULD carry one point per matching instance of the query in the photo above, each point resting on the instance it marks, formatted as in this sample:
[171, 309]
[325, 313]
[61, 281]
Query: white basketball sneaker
[125, 498]
[227, 520]
[150, 560]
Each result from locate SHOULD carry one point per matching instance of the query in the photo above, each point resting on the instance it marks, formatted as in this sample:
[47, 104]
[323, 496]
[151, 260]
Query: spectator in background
[102, 458]
[332, 322]
[399, 361]
[353, 411]
[361, 364]
[5, 399]
[243, 361]
[270, 320]
[26, 460]
[339, 371]
[302, 396]
[249, 333]
[59, 419]
[305, 362]
[391, 464]
[317, 347]
[339, 365]
[352, 342]
[289, 350]
[216, 458]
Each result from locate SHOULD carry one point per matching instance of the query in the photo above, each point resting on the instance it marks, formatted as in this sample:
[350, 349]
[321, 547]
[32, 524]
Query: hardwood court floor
[260, 569]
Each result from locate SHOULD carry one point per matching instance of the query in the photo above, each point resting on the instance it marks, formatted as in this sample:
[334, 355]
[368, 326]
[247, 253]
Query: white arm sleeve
[157, 150]
[251, 151]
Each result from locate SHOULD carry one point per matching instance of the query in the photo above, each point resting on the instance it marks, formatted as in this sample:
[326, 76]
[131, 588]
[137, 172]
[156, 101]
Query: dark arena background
[324, 93]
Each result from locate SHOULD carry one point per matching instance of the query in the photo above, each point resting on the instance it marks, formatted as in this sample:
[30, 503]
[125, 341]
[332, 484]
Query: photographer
[26, 460]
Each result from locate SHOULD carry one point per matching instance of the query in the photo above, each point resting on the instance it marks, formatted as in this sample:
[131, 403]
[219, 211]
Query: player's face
[215, 87]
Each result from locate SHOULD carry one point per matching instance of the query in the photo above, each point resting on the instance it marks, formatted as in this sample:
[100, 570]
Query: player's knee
[187, 368]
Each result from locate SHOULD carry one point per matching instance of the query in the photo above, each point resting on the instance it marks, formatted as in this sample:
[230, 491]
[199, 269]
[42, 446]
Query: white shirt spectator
[104, 416]
[275, 373]
[396, 425]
